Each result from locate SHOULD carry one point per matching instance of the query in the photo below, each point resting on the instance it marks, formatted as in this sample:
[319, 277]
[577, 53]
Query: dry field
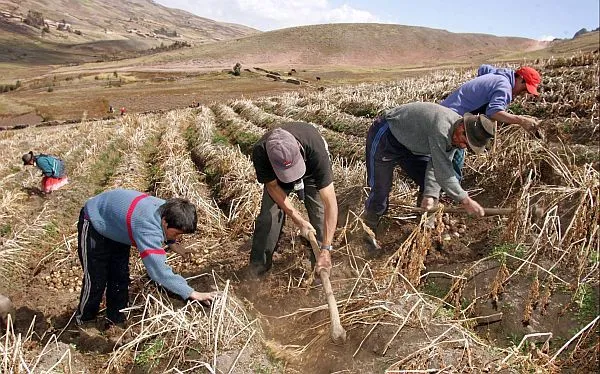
[497, 294]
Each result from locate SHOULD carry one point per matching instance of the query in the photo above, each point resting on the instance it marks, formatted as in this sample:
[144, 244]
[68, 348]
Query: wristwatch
[327, 247]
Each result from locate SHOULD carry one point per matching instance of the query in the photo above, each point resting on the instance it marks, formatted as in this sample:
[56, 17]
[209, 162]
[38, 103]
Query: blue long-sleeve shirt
[50, 166]
[489, 93]
[131, 217]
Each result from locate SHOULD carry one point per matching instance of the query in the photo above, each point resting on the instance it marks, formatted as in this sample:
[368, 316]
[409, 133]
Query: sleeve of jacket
[154, 258]
[441, 163]
[432, 188]
[500, 97]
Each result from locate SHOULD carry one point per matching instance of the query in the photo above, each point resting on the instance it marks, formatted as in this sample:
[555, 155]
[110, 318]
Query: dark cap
[479, 130]
[284, 154]
[27, 157]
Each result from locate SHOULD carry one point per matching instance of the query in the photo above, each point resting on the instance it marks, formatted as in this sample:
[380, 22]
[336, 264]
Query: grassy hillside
[98, 28]
[353, 45]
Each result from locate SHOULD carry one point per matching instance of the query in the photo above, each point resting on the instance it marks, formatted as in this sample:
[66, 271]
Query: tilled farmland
[516, 293]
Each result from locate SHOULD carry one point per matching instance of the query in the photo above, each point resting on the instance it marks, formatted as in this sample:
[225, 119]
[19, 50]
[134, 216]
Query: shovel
[338, 334]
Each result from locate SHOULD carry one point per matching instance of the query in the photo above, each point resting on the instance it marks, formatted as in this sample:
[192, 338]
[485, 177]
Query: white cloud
[546, 38]
[273, 14]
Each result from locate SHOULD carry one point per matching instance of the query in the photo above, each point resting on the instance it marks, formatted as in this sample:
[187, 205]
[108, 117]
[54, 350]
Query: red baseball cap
[532, 79]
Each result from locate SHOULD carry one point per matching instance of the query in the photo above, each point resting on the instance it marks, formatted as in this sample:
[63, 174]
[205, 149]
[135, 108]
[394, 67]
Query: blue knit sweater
[131, 217]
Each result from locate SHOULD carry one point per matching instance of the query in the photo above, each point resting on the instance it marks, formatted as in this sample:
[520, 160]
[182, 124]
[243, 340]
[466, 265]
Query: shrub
[237, 69]
[35, 19]
[50, 88]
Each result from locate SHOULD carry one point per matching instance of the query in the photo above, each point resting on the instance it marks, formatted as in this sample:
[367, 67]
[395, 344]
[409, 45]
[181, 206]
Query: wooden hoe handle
[338, 334]
[460, 210]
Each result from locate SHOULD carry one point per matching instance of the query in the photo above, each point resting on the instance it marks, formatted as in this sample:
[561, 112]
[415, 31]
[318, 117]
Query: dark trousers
[105, 267]
[269, 224]
[384, 153]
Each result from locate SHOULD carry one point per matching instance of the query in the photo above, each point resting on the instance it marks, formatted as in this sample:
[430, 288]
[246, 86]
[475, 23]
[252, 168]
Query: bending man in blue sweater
[109, 224]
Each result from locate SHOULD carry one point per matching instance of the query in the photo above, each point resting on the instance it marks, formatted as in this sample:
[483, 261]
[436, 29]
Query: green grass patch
[104, 168]
[148, 356]
[51, 229]
[219, 138]
[587, 303]
[435, 289]
[5, 229]
[501, 250]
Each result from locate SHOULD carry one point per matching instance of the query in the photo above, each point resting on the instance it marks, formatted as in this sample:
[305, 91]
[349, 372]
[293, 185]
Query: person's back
[110, 214]
[487, 94]
[415, 125]
[51, 166]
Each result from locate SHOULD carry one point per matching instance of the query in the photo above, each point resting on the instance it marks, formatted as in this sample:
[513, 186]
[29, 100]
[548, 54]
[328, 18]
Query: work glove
[184, 252]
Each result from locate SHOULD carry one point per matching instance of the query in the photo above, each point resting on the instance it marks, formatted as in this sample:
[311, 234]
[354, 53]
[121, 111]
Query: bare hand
[205, 298]
[324, 261]
[472, 207]
[184, 252]
[306, 228]
[529, 123]
[428, 202]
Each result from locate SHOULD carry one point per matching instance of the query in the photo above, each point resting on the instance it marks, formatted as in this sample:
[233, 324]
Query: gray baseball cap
[284, 154]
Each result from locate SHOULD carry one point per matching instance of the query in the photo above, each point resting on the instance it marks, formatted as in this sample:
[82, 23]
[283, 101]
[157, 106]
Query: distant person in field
[123, 111]
[293, 157]
[422, 139]
[490, 93]
[53, 170]
[109, 224]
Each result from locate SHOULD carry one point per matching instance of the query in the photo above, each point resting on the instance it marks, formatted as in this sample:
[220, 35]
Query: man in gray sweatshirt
[421, 138]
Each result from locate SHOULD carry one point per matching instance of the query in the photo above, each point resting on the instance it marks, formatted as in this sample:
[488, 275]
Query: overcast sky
[535, 19]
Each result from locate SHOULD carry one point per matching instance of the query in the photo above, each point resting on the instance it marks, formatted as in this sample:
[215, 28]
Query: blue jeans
[384, 152]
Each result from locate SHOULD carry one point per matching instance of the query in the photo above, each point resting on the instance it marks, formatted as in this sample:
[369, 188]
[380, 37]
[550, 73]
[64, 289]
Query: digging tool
[535, 210]
[338, 334]
[460, 210]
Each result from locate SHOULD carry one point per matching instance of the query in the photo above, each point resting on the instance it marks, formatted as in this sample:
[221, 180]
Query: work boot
[118, 333]
[255, 270]
[371, 243]
[88, 328]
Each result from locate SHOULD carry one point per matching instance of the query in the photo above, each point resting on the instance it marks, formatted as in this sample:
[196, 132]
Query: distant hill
[361, 45]
[95, 27]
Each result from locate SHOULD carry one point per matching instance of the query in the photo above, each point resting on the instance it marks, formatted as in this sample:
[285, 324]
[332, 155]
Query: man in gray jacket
[422, 138]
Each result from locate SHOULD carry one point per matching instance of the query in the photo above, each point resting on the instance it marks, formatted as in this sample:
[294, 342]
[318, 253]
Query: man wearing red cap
[490, 94]
[293, 157]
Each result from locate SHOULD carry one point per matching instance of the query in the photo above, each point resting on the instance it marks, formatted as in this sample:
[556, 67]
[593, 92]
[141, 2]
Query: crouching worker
[53, 170]
[422, 139]
[293, 157]
[109, 224]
